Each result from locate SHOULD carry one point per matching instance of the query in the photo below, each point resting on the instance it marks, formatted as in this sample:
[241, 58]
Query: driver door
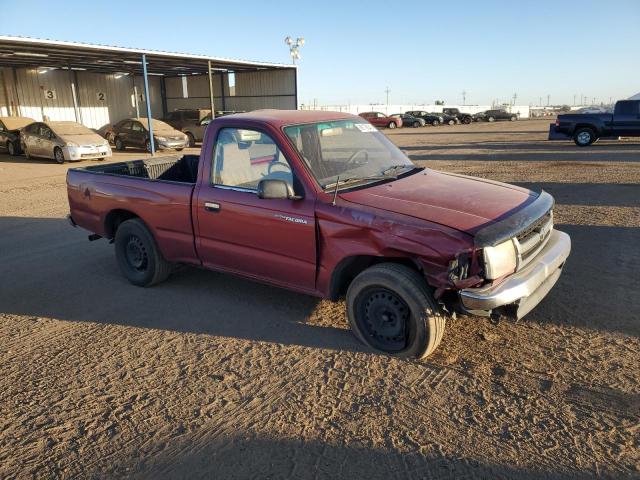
[273, 240]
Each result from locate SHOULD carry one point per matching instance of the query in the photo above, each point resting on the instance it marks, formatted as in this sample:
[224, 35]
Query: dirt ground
[211, 376]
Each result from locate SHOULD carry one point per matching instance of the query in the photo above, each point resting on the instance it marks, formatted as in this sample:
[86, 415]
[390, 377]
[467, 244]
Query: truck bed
[183, 169]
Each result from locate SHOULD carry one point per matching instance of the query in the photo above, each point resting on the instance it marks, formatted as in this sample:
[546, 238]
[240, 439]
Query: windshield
[348, 149]
[157, 125]
[70, 128]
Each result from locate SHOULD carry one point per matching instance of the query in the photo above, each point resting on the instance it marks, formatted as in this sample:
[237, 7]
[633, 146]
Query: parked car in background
[409, 120]
[500, 114]
[586, 128]
[461, 117]
[191, 122]
[324, 204]
[63, 141]
[379, 119]
[448, 118]
[430, 118]
[480, 116]
[10, 133]
[134, 132]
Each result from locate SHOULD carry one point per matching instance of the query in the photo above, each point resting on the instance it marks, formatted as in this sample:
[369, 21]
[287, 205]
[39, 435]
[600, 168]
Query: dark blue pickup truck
[585, 129]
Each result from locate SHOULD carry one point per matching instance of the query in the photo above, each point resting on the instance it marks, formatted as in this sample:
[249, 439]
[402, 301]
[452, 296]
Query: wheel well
[586, 125]
[350, 267]
[114, 219]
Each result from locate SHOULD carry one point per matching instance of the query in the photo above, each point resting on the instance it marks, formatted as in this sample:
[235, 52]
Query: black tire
[416, 124]
[513, 118]
[451, 122]
[191, 140]
[491, 119]
[435, 123]
[120, 146]
[138, 256]
[583, 137]
[402, 304]
[11, 149]
[58, 155]
[392, 125]
[466, 120]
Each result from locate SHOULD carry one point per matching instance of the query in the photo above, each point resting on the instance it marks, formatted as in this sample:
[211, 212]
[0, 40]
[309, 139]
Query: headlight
[72, 144]
[161, 139]
[500, 260]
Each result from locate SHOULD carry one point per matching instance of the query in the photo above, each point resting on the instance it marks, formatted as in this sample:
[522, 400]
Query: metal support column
[213, 112]
[148, 100]
[224, 101]
[73, 77]
[135, 93]
[163, 96]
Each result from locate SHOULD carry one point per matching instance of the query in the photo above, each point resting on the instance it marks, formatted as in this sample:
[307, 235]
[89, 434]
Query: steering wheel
[355, 154]
[286, 166]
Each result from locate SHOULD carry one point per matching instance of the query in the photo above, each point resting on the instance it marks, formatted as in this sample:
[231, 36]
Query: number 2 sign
[101, 96]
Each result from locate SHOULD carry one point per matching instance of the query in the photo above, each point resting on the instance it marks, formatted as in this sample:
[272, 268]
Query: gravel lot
[213, 376]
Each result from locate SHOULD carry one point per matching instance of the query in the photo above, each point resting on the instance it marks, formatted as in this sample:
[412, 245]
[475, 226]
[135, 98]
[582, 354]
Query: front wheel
[416, 124]
[11, 148]
[491, 119]
[119, 144]
[58, 155]
[466, 120]
[435, 123]
[514, 118]
[584, 137]
[390, 308]
[452, 122]
[138, 256]
[392, 125]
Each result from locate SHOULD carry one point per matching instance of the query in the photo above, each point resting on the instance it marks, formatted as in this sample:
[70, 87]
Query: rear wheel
[138, 256]
[392, 124]
[390, 308]
[435, 123]
[58, 155]
[451, 122]
[416, 124]
[513, 118]
[466, 120]
[491, 119]
[583, 137]
[11, 148]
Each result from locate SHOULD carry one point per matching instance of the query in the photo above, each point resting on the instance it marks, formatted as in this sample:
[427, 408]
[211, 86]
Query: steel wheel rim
[11, 148]
[136, 254]
[384, 319]
[59, 156]
[584, 137]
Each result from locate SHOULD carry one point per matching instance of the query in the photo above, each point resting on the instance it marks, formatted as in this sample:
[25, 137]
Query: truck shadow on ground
[51, 270]
[240, 456]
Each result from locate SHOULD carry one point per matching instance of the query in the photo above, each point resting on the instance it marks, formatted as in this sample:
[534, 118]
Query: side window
[244, 157]
[627, 108]
[136, 127]
[45, 132]
[125, 126]
[171, 116]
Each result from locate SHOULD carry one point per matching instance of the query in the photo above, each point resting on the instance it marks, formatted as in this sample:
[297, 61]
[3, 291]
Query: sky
[421, 51]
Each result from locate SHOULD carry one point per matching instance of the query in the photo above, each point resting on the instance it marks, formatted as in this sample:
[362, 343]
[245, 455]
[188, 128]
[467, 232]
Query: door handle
[211, 206]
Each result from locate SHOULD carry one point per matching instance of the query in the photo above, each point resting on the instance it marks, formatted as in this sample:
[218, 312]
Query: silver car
[63, 141]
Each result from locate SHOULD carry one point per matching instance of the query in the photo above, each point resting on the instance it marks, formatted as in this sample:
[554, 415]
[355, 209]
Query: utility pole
[574, 99]
[539, 101]
[548, 99]
[464, 97]
[387, 91]
[515, 96]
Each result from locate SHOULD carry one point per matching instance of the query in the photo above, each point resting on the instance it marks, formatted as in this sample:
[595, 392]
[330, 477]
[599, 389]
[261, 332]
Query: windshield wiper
[395, 168]
[344, 181]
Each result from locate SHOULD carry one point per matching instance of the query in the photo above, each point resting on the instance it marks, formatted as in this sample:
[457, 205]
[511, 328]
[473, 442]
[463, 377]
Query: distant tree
[439, 102]
[565, 108]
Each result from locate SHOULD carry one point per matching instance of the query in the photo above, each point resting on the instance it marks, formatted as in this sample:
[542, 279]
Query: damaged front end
[519, 259]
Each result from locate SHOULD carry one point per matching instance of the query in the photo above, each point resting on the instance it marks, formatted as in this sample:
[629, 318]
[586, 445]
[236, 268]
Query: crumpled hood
[457, 201]
[82, 140]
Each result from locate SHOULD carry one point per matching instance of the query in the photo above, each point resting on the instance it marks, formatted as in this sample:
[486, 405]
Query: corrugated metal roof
[18, 51]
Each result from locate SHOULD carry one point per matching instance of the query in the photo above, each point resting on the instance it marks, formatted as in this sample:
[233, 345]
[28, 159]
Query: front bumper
[171, 144]
[86, 152]
[524, 289]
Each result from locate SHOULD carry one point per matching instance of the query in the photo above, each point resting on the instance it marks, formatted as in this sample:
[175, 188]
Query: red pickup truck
[323, 203]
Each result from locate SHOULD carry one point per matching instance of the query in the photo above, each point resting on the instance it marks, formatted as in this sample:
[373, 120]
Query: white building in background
[521, 110]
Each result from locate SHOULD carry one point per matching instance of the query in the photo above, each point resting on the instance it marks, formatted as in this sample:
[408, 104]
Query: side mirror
[274, 189]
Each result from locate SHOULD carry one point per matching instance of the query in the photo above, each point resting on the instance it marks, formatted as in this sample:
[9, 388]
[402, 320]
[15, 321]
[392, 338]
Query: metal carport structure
[77, 81]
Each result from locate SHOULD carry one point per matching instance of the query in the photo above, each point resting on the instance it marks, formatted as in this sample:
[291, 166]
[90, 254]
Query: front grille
[532, 239]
